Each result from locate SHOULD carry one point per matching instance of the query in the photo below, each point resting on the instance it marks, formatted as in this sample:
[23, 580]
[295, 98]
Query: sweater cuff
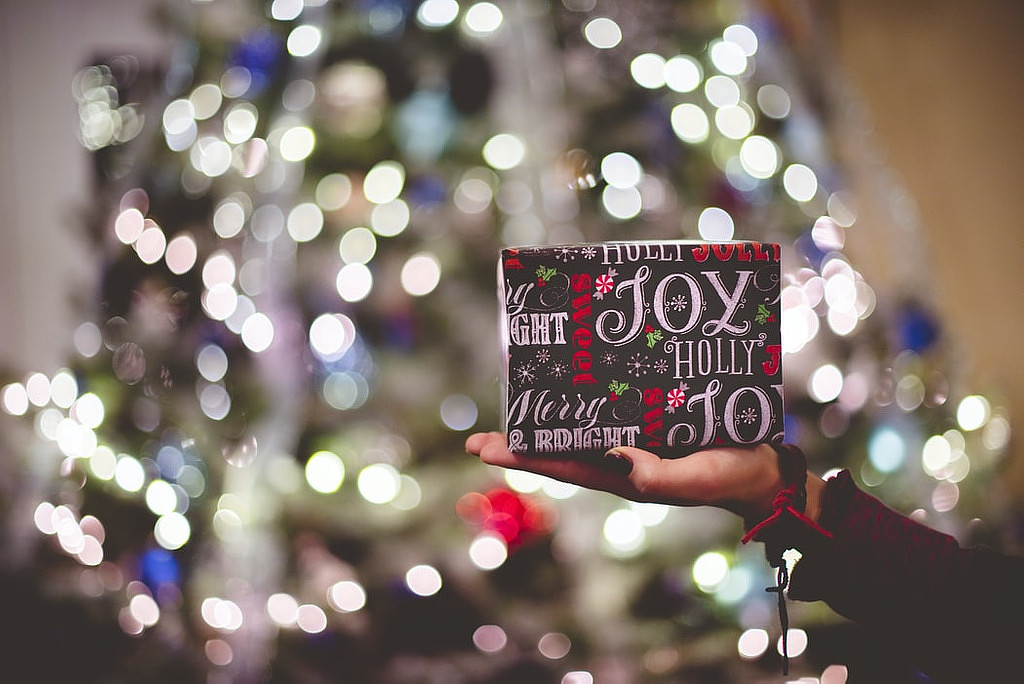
[863, 560]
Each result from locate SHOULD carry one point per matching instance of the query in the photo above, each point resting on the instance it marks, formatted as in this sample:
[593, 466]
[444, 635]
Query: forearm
[901, 578]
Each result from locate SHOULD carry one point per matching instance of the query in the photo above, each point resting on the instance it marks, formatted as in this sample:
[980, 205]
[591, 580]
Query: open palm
[741, 480]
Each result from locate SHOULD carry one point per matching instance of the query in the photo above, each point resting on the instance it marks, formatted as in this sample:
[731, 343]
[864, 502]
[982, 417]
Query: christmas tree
[253, 469]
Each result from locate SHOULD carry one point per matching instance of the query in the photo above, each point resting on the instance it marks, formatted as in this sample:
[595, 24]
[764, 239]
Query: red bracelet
[787, 527]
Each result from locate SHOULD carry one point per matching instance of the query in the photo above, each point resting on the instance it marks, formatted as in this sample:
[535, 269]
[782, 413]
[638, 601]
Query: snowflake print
[609, 358]
[661, 366]
[565, 254]
[638, 365]
[748, 416]
[543, 355]
[677, 303]
[526, 373]
[589, 252]
[558, 370]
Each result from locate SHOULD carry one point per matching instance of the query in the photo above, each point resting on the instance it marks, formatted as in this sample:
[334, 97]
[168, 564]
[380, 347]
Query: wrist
[815, 494]
[783, 471]
[756, 495]
[795, 507]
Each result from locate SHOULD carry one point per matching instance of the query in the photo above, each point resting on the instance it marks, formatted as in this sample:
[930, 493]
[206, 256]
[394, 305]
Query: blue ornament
[159, 567]
[424, 124]
[426, 190]
[259, 53]
[916, 328]
[809, 249]
[792, 428]
[386, 17]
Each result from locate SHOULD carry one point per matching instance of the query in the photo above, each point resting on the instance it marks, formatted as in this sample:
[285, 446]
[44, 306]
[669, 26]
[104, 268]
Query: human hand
[738, 479]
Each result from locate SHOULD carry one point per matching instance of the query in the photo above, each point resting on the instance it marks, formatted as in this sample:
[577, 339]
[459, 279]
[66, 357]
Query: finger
[646, 472]
[476, 442]
[592, 474]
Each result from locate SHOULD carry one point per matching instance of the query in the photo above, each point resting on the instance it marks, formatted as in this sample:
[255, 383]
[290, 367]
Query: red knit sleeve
[957, 609]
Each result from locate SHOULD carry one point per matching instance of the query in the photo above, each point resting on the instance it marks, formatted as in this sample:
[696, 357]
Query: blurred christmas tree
[254, 469]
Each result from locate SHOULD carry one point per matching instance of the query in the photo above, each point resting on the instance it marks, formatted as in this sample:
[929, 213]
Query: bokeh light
[753, 643]
[379, 483]
[286, 10]
[683, 73]
[728, 57]
[973, 412]
[690, 123]
[333, 191]
[554, 645]
[483, 18]
[258, 332]
[297, 143]
[172, 531]
[357, 246]
[621, 170]
[459, 412]
[602, 33]
[423, 580]
[623, 532]
[181, 253]
[886, 450]
[304, 40]
[305, 221]
[347, 596]
[504, 151]
[796, 642]
[800, 182]
[825, 383]
[325, 472]
[283, 609]
[648, 70]
[490, 638]
[709, 570]
[311, 619]
[488, 551]
[331, 335]
[421, 273]
[759, 156]
[437, 14]
[384, 182]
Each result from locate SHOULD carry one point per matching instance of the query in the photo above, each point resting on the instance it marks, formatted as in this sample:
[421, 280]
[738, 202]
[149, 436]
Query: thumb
[639, 464]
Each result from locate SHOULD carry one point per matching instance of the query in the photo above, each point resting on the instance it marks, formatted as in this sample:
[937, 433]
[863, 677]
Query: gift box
[668, 346]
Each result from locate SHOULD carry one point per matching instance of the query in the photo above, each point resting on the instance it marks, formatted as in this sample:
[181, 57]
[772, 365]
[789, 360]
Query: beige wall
[45, 255]
[941, 80]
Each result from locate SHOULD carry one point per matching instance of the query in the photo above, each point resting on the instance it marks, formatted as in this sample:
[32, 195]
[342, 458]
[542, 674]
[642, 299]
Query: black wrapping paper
[669, 346]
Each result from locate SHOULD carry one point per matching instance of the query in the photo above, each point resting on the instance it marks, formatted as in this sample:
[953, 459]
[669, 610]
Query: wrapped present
[668, 346]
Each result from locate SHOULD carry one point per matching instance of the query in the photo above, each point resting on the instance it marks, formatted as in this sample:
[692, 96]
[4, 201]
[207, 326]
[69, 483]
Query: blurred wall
[942, 82]
[44, 172]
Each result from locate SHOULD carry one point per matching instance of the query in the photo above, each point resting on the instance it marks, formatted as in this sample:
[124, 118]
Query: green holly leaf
[618, 388]
[545, 273]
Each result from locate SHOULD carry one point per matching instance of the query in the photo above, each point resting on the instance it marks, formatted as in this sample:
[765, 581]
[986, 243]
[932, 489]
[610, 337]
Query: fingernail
[617, 461]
